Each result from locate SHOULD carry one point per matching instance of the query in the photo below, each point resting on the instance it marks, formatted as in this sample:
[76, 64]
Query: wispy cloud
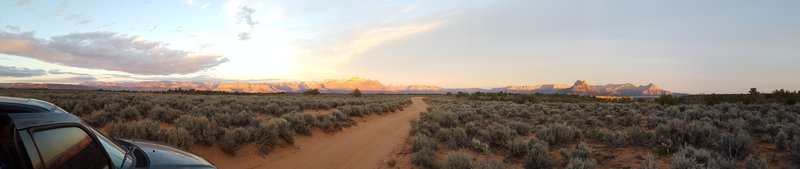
[61, 6]
[60, 72]
[23, 2]
[11, 71]
[245, 16]
[12, 28]
[196, 78]
[377, 36]
[109, 51]
[78, 19]
[244, 36]
[71, 79]
[75, 79]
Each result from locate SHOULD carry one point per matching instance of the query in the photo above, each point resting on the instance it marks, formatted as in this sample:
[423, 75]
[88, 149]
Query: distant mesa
[581, 87]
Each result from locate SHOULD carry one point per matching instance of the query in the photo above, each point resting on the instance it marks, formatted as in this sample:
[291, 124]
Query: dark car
[36, 134]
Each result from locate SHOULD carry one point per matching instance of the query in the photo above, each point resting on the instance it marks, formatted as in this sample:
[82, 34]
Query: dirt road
[362, 146]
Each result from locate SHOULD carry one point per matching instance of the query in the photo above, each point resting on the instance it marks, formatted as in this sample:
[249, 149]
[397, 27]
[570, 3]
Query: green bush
[266, 137]
[581, 158]
[736, 145]
[425, 158]
[342, 119]
[492, 164]
[582, 151]
[538, 157]
[272, 108]
[301, 124]
[692, 158]
[130, 113]
[99, 118]
[520, 127]
[243, 118]
[285, 130]
[421, 141]
[695, 133]
[500, 135]
[640, 136]
[756, 163]
[178, 137]
[581, 163]
[557, 133]
[202, 129]
[454, 137]
[602, 135]
[518, 148]
[163, 113]
[140, 130]
[792, 145]
[232, 140]
[459, 160]
[326, 123]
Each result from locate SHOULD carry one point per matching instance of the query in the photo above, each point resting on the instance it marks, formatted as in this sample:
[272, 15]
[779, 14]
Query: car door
[63, 147]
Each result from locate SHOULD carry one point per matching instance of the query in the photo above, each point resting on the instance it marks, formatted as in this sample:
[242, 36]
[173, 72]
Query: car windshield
[115, 151]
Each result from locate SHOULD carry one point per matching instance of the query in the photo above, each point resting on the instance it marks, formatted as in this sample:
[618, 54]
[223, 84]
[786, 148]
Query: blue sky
[709, 46]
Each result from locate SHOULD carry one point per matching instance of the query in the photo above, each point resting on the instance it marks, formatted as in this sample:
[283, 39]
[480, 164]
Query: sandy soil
[366, 145]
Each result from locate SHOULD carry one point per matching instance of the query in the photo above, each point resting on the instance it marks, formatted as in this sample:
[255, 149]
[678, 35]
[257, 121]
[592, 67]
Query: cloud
[152, 28]
[12, 28]
[197, 78]
[119, 75]
[60, 72]
[23, 2]
[76, 79]
[61, 6]
[244, 36]
[73, 79]
[108, 51]
[11, 71]
[190, 2]
[84, 22]
[377, 36]
[245, 16]
[78, 19]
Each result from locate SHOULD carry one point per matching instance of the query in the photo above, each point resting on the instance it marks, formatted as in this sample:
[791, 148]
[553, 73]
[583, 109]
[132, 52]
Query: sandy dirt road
[362, 146]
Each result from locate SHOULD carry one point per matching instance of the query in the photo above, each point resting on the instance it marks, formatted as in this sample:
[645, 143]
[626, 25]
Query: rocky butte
[580, 87]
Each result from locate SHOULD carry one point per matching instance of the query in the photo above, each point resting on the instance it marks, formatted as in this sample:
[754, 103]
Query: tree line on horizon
[753, 96]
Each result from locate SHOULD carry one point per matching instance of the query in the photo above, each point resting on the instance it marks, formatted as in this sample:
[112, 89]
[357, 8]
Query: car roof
[28, 102]
[26, 113]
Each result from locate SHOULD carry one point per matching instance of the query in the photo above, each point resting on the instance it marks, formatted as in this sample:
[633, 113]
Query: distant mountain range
[347, 85]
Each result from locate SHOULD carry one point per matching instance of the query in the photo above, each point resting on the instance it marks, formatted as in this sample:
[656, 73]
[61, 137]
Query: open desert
[400, 84]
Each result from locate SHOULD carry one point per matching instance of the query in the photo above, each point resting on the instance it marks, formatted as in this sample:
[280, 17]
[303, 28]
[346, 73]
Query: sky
[692, 46]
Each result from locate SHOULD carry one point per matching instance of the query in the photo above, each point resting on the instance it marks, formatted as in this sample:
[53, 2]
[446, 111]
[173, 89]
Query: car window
[115, 152]
[8, 155]
[69, 147]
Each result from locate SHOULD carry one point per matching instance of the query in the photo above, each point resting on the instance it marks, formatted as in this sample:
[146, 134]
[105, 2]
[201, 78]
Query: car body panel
[163, 156]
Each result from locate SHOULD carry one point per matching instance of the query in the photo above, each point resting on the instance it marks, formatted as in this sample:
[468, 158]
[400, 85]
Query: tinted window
[116, 153]
[69, 147]
[8, 152]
